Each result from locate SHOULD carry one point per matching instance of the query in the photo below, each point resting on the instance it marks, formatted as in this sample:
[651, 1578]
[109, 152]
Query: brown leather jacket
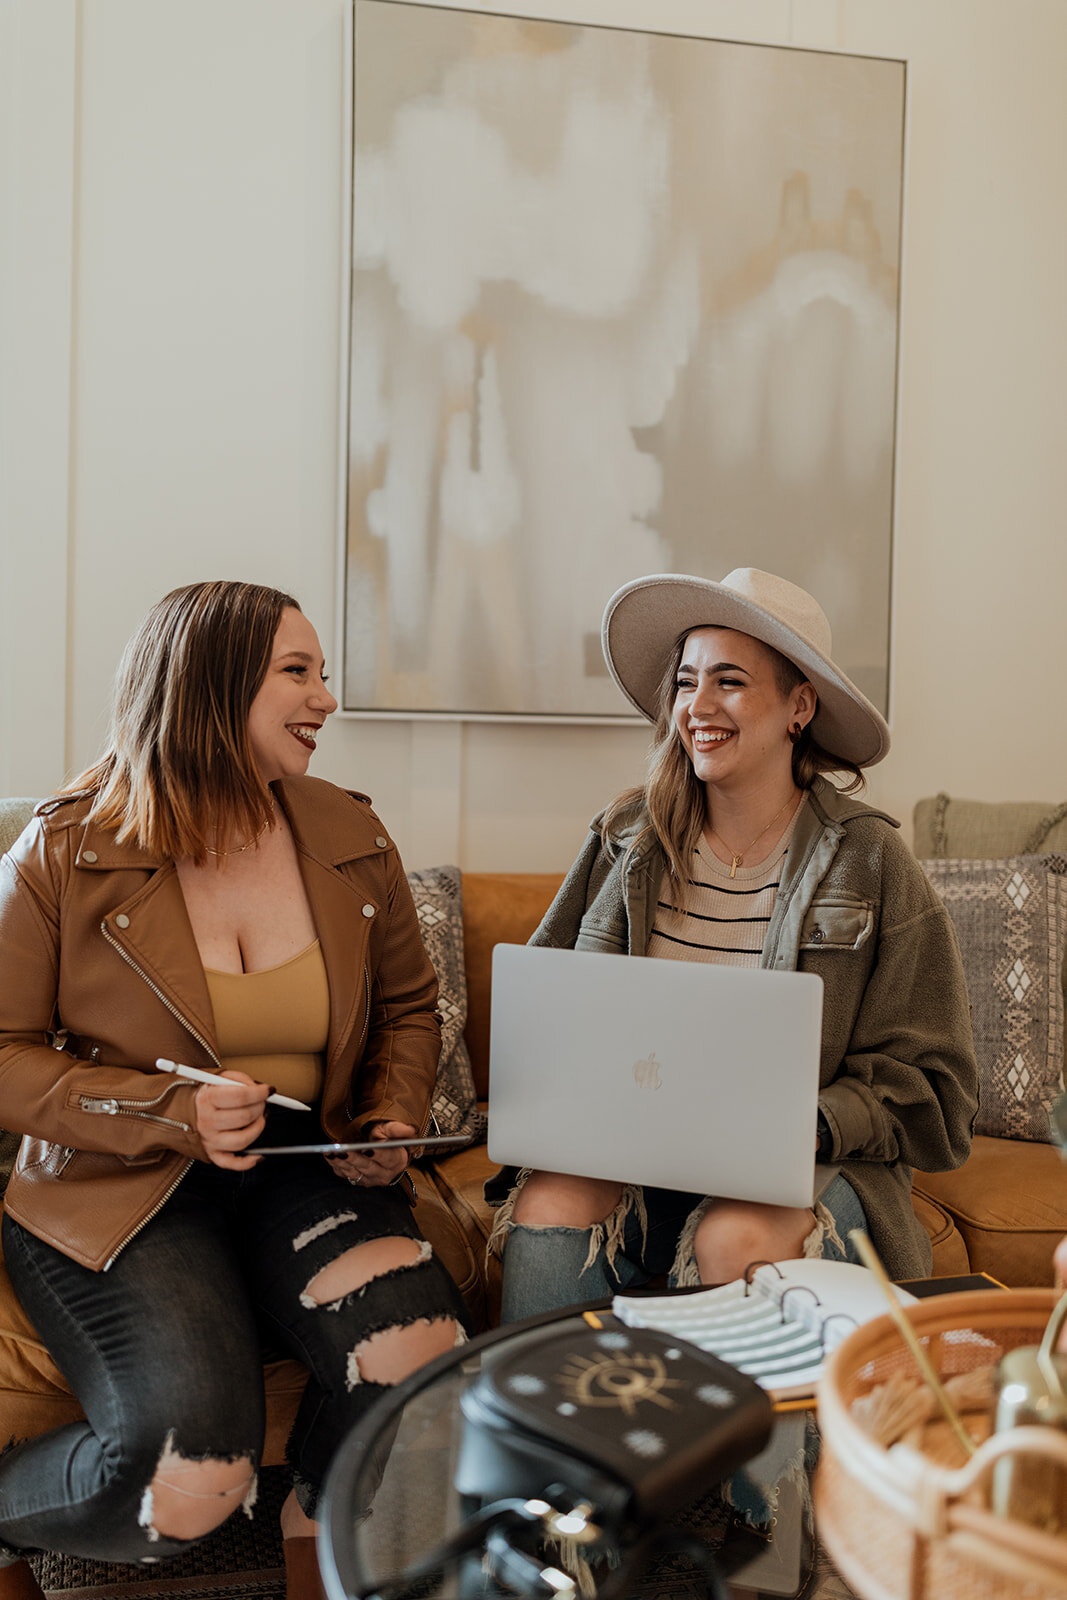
[100, 974]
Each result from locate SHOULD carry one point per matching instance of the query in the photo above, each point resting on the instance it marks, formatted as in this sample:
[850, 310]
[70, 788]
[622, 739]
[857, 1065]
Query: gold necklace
[738, 859]
[240, 849]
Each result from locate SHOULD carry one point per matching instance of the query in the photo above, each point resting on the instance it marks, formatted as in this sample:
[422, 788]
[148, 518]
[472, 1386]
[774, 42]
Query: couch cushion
[438, 896]
[460, 1181]
[458, 1247]
[980, 828]
[1011, 918]
[15, 813]
[498, 908]
[1009, 1201]
[946, 1241]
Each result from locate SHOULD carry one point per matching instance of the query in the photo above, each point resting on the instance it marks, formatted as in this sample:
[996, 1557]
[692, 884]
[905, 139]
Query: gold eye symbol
[622, 1381]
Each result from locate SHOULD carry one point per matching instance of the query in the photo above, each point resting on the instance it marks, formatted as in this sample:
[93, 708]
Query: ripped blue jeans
[548, 1268]
[164, 1350]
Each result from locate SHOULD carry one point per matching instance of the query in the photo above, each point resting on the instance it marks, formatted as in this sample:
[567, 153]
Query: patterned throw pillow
[1011, 918]
[438, 893]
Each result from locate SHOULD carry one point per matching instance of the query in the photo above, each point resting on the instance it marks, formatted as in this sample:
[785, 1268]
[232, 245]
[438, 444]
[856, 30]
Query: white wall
[170, 207]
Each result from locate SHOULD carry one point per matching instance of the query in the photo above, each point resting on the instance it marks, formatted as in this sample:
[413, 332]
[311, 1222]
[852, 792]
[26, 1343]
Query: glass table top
[391, 1502]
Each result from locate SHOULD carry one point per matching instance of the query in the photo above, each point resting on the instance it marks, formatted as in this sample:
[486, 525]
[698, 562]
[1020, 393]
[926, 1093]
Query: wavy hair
[673, 797]
[178, 768]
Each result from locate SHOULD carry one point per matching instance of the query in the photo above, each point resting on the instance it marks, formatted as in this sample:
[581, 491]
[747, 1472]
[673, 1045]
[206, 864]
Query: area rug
[242, 1560]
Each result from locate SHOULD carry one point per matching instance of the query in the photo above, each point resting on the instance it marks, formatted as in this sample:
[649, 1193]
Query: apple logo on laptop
[646, 1073]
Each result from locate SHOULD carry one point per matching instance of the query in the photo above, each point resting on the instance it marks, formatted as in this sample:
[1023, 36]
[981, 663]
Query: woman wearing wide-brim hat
[739, 849]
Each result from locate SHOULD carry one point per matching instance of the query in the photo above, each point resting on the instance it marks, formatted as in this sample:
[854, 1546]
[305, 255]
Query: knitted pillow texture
[1010, 915]
[438, 895]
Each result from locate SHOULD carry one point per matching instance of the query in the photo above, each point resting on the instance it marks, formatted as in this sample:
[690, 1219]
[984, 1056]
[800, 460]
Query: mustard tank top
[274, 1024]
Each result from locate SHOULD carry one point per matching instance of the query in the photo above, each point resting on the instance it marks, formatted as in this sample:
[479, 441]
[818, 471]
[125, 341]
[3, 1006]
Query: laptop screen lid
[683, 1075]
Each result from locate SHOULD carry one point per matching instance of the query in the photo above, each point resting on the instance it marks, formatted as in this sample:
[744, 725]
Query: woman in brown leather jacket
[195, 897]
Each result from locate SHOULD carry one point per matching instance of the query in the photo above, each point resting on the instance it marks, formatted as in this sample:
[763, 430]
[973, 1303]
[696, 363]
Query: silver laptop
[678, 1074]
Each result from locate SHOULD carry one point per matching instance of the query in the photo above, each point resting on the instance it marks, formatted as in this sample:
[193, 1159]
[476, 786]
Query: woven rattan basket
[901, 1507]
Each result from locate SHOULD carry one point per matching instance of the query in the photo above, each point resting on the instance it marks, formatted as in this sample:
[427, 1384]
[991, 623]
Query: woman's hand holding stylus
[227, 1120]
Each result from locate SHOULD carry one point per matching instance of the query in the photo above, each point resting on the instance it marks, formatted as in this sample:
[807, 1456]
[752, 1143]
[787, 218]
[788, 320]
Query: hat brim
[643, 619]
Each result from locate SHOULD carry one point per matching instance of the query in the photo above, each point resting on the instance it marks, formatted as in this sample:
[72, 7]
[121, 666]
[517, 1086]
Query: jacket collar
[333, 825]
[831, 806]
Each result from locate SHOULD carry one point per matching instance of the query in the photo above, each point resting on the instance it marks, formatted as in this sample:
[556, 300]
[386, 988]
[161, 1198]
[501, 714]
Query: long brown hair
[673, 797]
[178, 768]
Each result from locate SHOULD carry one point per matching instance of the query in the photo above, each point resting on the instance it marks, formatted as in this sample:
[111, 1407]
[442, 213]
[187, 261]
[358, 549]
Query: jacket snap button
[368, 911]
[89, 855]
[122, 920]
[817, 936]
[381, 841]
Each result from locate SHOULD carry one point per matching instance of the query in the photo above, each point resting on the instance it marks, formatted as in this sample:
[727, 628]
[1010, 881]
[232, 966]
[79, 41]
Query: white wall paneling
[171, 204]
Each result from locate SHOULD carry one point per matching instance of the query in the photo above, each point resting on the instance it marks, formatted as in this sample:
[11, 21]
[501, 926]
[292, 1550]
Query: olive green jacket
[898, 1079]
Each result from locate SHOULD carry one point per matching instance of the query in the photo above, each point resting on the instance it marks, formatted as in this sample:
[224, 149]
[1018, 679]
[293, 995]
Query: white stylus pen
[199, 1076]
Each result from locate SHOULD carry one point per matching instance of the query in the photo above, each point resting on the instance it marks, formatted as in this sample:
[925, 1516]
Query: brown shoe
[17, 1582]
[303, 1580]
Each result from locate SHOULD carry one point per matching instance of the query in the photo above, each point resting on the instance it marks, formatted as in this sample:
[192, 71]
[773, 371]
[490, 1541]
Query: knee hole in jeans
[549, 1199]
[188, 1499]
[394, 1353]
[357, 1267]
[733, 1234]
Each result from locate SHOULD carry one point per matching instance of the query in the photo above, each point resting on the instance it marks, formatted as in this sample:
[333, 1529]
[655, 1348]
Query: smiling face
[291, 703]
[730, 712]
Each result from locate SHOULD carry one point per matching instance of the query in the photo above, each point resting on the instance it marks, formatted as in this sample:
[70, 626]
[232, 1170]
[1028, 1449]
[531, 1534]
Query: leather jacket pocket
[41, 1156]
[841, 923]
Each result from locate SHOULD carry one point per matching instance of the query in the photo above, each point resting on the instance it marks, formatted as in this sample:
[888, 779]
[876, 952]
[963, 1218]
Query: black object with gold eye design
[635, 1421]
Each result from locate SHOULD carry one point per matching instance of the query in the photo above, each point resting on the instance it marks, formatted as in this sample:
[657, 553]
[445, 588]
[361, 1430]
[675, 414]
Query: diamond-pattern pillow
[438, 894]
[1010, 915]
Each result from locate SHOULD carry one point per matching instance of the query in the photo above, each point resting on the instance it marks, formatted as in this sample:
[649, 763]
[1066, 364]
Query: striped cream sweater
[723, 919]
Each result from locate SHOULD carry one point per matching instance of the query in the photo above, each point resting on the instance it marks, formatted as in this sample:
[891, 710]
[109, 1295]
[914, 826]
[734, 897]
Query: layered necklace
[737, 858]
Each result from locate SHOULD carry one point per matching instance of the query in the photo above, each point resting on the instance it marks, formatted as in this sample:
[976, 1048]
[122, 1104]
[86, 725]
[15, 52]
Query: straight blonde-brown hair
[673, 797]
[178, 772]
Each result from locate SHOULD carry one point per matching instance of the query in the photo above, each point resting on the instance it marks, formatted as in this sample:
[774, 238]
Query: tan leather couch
[998, 1214]
[1009, 1199]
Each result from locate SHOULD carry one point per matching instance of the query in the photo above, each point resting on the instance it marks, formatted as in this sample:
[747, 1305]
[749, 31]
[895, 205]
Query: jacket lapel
[330, 832]
[152, 931]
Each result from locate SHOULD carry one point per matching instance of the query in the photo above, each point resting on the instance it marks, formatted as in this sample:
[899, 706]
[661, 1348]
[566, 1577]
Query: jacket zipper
[158, 992]
[111, 1107]
[366, 1009]
[130, 962]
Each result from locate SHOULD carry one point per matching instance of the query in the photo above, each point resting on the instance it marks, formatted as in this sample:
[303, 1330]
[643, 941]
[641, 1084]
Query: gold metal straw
[870, 1259]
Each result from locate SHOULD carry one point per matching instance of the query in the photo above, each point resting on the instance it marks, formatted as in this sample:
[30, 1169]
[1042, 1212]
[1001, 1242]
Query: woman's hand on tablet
[376, 1171]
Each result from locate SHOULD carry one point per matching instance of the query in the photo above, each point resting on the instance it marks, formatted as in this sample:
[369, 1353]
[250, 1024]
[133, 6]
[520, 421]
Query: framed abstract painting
[618, 302]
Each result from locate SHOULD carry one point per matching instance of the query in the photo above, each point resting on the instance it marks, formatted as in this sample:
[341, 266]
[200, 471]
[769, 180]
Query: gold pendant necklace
[738, 858]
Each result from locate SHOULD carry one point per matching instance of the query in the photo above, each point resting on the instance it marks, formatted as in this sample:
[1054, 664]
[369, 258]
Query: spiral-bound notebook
[777, 1327]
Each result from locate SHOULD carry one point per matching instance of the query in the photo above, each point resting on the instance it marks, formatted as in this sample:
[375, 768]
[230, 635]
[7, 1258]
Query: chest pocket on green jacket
[841, 923]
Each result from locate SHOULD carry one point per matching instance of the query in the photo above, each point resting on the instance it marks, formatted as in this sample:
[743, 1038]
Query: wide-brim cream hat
[644, 618]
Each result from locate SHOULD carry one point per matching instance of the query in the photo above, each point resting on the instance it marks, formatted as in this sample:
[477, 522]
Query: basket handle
[936, 1487]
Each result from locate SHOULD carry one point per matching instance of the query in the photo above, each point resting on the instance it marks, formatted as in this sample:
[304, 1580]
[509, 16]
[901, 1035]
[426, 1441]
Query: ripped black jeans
[165, 1349]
